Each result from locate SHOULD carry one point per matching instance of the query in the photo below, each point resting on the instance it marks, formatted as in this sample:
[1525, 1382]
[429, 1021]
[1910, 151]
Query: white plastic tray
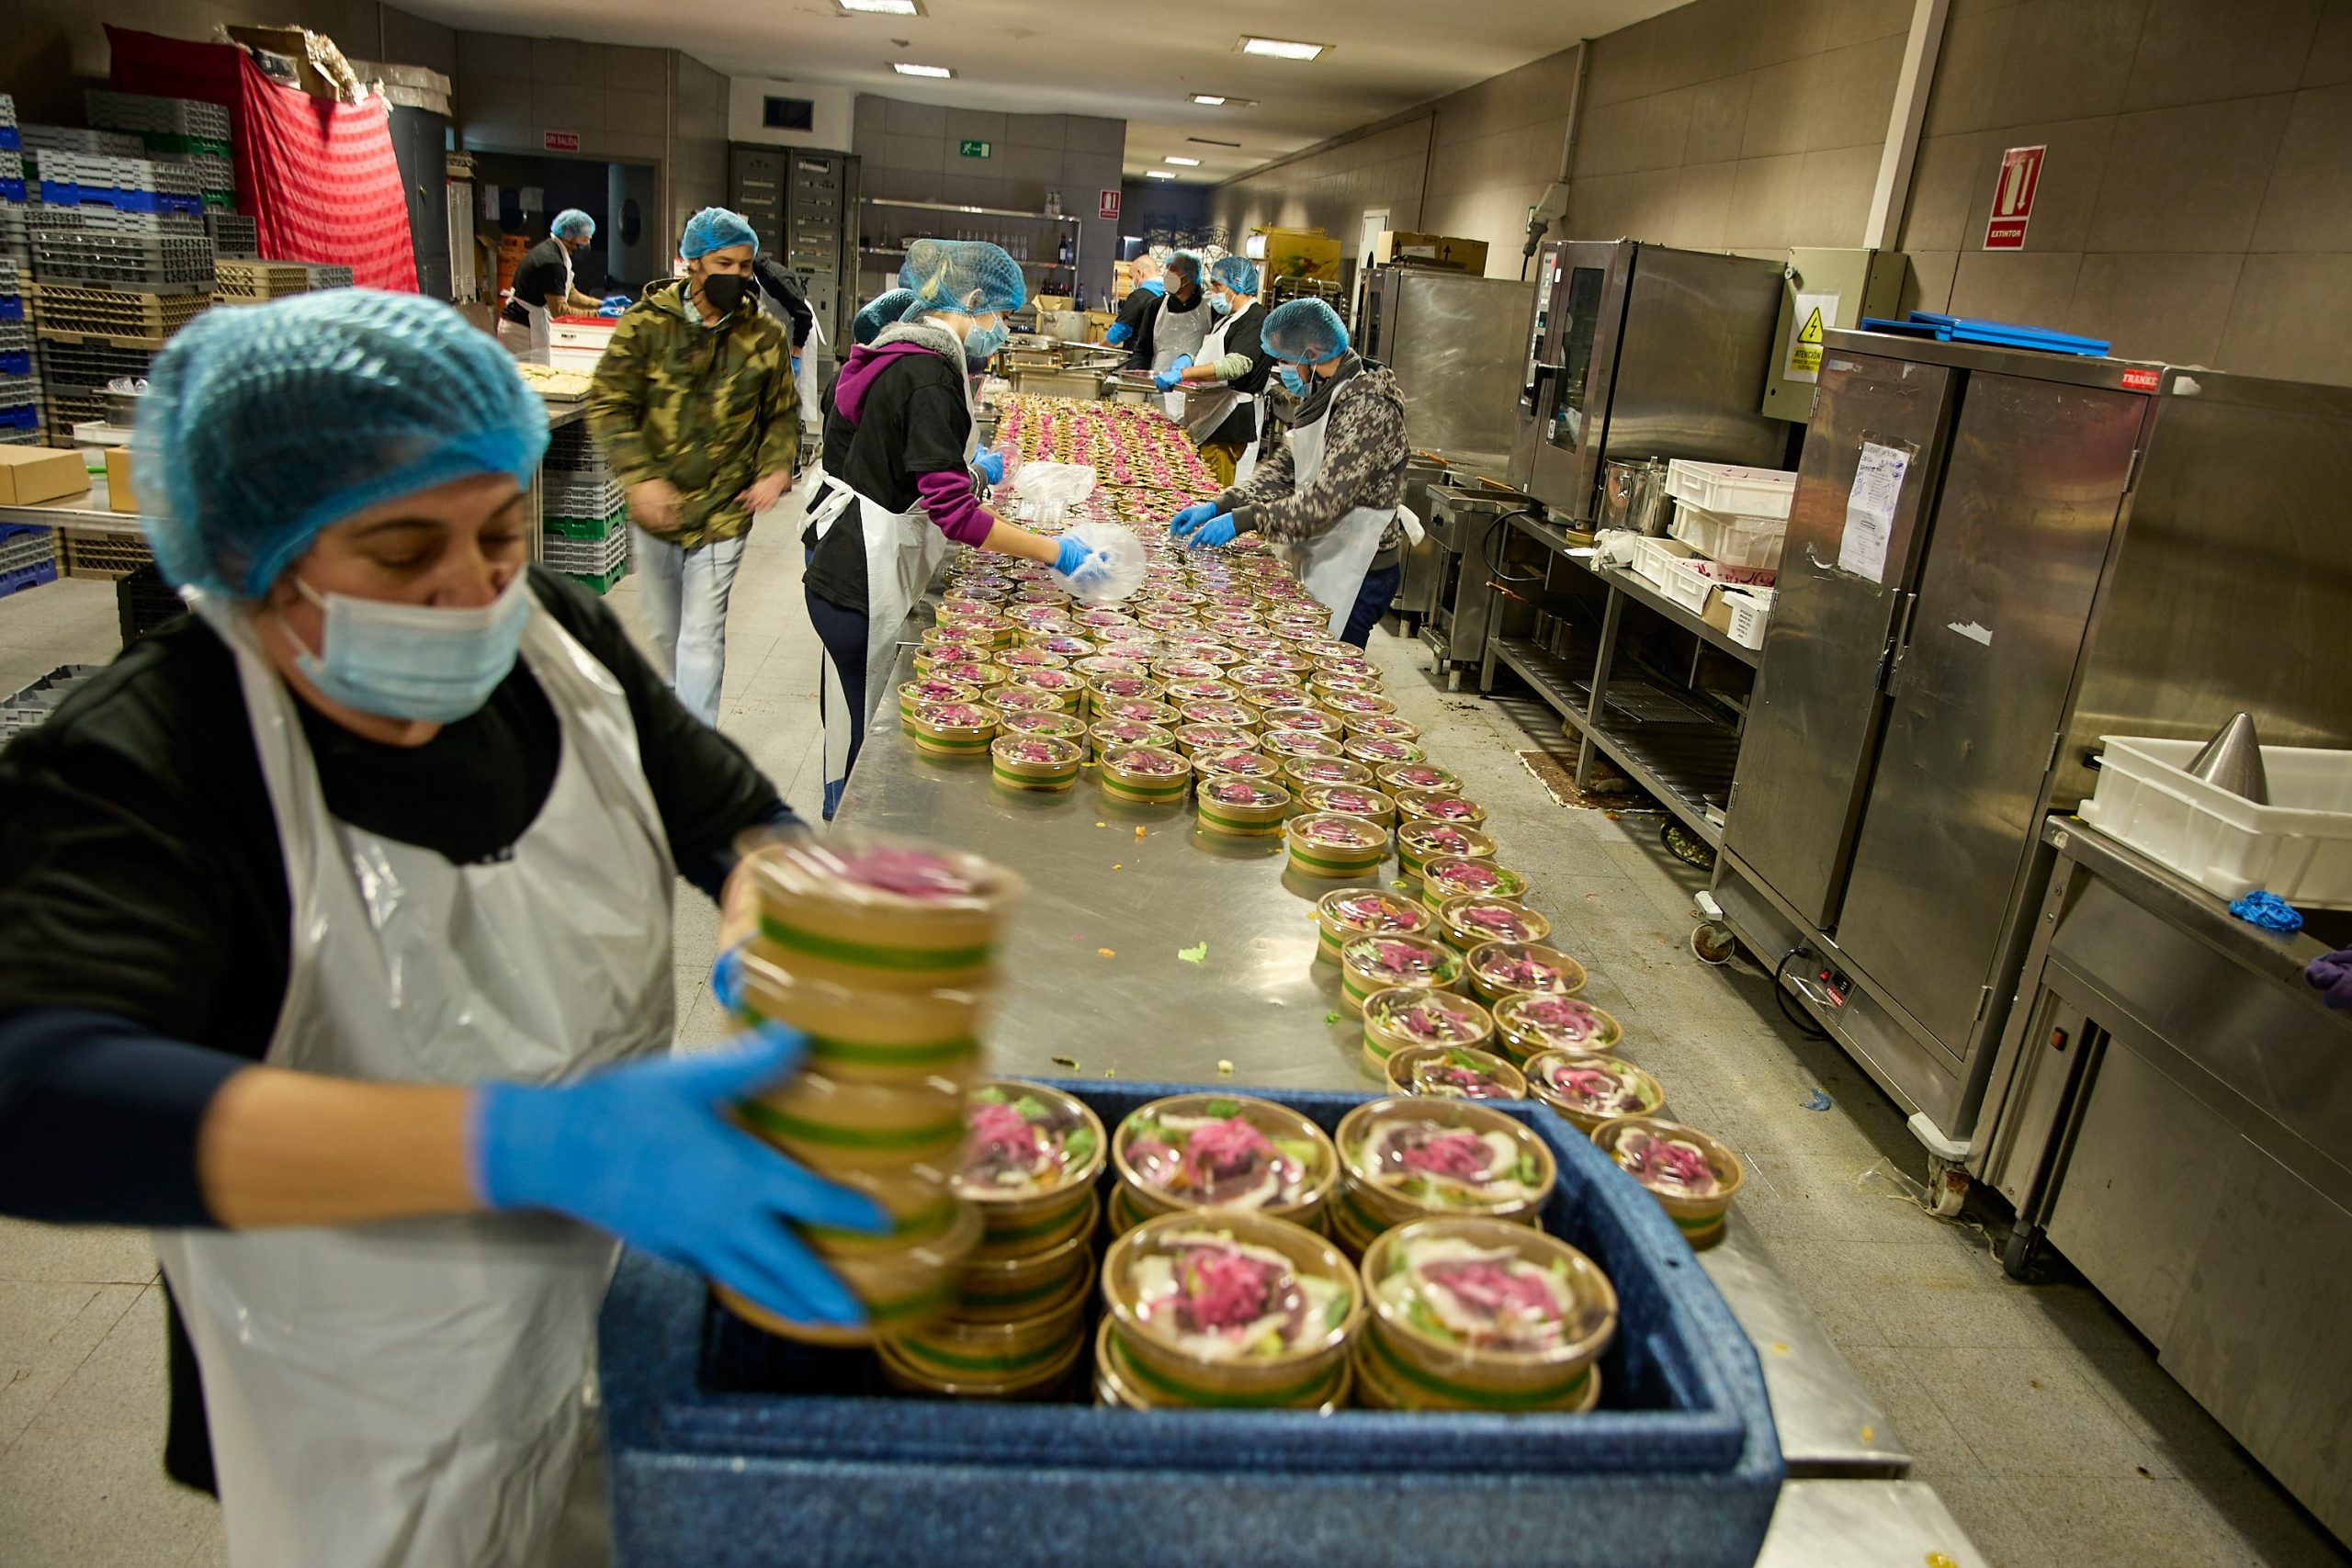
[1731, 537]
[2299, 847]
[1727, 487]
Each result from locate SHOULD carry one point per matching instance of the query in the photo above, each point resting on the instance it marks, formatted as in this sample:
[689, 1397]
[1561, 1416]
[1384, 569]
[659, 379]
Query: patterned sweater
[1364, 454]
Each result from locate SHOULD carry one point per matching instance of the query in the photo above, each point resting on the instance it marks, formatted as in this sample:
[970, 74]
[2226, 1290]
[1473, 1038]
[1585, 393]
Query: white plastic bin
[1727, 487]
[2299, 847]
[1730, 537]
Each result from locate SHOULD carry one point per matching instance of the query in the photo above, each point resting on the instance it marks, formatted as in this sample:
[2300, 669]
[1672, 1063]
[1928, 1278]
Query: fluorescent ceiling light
[903, 69]
[1281, 49]
[1210, 99]
[881, 7]
[1159, 173]
[1184, 162]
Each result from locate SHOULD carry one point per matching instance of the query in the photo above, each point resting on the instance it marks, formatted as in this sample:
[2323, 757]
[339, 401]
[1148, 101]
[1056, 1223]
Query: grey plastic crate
[74, 139]
[148, 263]
[139, 114]
[234, 234]
[731, 1448]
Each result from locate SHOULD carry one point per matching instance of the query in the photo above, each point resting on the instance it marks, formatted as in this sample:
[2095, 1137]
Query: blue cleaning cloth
[2267, 910]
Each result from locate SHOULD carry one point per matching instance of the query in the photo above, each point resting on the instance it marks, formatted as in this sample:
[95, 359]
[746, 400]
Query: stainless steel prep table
[1256, 1000]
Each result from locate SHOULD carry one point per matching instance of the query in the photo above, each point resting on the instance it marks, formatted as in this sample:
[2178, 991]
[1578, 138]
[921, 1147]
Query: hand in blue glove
[1072, 555]
[991, 467]
[1192, 517]
[1117, 334]
[796, 365]
[646, 1153]
[1167, 379]
[1215, 533]
[620, 299]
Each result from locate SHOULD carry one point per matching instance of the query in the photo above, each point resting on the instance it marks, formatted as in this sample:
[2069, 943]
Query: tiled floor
[2043, 1421]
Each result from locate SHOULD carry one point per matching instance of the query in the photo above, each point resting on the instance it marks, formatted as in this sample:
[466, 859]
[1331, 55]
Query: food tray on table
[724, 1442]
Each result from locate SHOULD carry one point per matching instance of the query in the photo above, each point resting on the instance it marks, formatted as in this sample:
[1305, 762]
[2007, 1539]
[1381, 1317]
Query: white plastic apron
[902, 551]
[410, 1394]
[1212, 406]
[1333, 566]
[1175, 333]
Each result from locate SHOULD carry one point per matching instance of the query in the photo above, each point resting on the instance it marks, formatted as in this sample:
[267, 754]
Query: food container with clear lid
[854, 1031]
[1409, 1157]
[1113, 733]
[1593, 1089]
[1500, 969]
[1292, 744]
[1380, 963]
[1325, 771]
[1419, 840]
[1405, 1017]
[1184, 694]
[929, 689]
[872, 910]
[1034, 762]
[1018, 658]
[1324, 844]
[1010, 699]
[1106, 664]
[1470, 920]
[1124, 688]
[1382, 727]
[1221, 1151]
[901, 1288]
[1194, 738]
[1030, 1156]
[1067, 687]
[960, 1355]
[967, 672]
[1439, 806]
[1347, 913]
[1527, 1022]
[1143, 775]
[1239, 808]
[1482, 1315]
[1453, 1072]
[1692, 1176]
[1350, 800]
[1235, 716]
[1451, 876]
[1400, 776]
[952, 729]
[1382, 751]
[1051, 723]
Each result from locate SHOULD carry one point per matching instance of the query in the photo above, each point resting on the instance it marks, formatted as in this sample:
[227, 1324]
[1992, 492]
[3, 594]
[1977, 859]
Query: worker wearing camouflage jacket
[695, 407]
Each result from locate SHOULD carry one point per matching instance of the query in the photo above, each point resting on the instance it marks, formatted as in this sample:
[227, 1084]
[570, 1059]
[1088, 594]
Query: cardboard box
[120, 496]
[29, 475]
[1301, 253]
[1446, 250]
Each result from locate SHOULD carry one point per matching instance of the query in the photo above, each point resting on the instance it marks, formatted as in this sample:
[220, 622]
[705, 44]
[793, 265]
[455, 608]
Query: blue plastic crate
[19, 362]
[10, 140]
[12, 307]
[29, 577]
[731, 1448]
[14, 190]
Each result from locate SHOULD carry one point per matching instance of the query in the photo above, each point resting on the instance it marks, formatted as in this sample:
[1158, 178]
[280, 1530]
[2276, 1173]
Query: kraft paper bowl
[1410, 962]
[1439, 1349]
[1453, 1072]
[1701, 1218]
[1500, 969]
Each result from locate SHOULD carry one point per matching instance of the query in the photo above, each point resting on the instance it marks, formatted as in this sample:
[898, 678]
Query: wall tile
[1702, 208]
[1640, 133]
[920, 154]
[1037, 130]
[566, 61]
[1718, 37]
[2034, 287]
[2195, 177]
[2192, 51]
[634, 114]
[2309, 204]
[869, 119]
[567, 109]
[1833, 201]
[1854, 22]
[1927, 281]
[494, 54]
[412, 40]
[1638, 206]
[904, 119]
[975, 124]
[1764, 190]
[1943, 191]
[2155, 306]
[1791, 29]
[2068, 59]
[1039, 163]
[2073, 178]
[633, 70]
[2289, 320]
[1837, 99]
[2331, 56]
[1718, 119]
[1971, 72]
[1625, 64]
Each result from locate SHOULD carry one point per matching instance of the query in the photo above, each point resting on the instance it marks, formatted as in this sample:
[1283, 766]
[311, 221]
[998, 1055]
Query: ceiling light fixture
[903, 69]
[1159, 173]
[1209, 142]
[1181, 163]
[1210, 99]
[880, 7]
[1281, 49]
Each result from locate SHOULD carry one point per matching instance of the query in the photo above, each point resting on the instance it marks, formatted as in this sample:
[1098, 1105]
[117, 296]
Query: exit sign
[562, 141]
[973, 148]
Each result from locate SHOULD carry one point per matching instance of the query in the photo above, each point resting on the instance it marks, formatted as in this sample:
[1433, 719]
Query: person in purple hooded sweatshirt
[899, 482]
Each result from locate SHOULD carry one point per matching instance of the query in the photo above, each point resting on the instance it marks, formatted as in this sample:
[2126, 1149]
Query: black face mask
[723, 291]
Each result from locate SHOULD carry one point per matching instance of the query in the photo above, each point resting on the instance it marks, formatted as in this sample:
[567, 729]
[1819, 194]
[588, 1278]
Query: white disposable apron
[804, 380]
[1211, 406]
[902, 551]
[410, 1395]
[1334, 565]
[534, 343]
[1174, 335]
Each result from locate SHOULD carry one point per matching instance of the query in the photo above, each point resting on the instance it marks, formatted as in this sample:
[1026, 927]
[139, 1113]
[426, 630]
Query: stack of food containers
[1220, 1151]
[1403, 1159]
[882, 952]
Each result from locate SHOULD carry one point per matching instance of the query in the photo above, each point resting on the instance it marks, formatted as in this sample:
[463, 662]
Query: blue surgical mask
[1220, 305]
[1294, 381]
[981, 343]
[420, 662]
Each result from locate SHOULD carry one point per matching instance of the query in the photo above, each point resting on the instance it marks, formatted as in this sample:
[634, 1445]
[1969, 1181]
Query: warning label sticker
[1814, 313]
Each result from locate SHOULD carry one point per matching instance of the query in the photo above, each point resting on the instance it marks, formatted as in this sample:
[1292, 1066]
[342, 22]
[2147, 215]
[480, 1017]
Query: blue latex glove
[2267, 910]
[991, 467]
[1072, 556]
[1167, 379]
[645, 1153]
[796, 365]
[1117, 334]
[2331, 973]
[620, 299]
[611, 311]
[1215, 533]
[1192, 517]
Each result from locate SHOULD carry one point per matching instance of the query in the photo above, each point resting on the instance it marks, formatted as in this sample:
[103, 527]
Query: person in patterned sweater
[1331, 499]
[695, 406]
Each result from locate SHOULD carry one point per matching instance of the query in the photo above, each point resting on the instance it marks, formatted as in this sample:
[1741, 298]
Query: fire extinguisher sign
[2013, 199]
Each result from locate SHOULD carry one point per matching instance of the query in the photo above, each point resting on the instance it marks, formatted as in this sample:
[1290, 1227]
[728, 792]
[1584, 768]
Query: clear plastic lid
[1349, 800]
[849, 865]
[1230, 1288]
[1225, 1151]
[1450, 876]
[1493, 919]
[1026, 1140]
[1232, 790]
[1239, 760]
[1327, 770]
[1035, 751]
[1049, 721]
[1401, 959]
[1147, 761]
[1556, 1023]
[1596, 1086]
[1288, 743]
[1371, 911]
[1419, 775]
[954, 715]
[1457, 1072]
[1445, 1154]
[1478, 1289]
[1380, 749]
[1527, 966]
[1426, 1017]
[936, 689]
[1334, 831]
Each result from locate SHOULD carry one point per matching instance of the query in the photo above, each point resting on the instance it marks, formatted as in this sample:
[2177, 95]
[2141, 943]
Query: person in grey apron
[1172, 335]
[543, 285]
[417, 1167]
[898, 489]
[1225, 414]
[1332, 499]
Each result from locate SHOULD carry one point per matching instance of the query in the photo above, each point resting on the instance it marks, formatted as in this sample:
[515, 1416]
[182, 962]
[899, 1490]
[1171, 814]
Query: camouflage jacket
[709, 409]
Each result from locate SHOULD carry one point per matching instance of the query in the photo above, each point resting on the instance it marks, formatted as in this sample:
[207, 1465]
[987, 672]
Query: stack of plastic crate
[241, 282]
[28, 557]
[22, 408]
[179, 130]
[233, 236]
[125, 183]
[584, 512]
[74, 372]
[136, 252]
[30, 708]
[10, 139]
[325, 275]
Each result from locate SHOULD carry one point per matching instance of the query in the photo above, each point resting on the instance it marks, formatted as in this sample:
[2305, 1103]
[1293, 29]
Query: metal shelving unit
[876, 257]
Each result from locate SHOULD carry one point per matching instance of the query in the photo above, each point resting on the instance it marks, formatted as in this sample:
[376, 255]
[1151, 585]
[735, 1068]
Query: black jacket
[914, 420]
[1245, 336]
[1140, 358]
[782, 287]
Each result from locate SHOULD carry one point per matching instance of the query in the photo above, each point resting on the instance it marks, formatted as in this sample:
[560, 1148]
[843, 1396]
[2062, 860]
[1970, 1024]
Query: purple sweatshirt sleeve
[956, 512]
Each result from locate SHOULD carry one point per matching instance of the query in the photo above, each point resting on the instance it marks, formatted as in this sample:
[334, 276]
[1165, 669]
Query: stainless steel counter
[1864, 1523]
[1119, 893]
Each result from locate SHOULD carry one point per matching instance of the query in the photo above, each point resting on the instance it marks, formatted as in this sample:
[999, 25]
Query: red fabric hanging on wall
[318, 178]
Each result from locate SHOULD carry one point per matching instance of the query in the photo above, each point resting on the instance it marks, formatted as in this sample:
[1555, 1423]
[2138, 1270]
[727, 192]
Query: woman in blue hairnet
[1332, 499]
[1225, 414]
[900, 439]
[336, 919]
[545, 288]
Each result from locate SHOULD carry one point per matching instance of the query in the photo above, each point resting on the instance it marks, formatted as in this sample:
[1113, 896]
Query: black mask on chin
[725, 290]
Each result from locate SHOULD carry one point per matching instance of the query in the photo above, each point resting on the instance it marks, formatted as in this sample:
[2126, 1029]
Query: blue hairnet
[572, 224]
[1183, 262]
[716, 229]
[1305, 332]
[879, 312]
[1237, 274]
[265, 424]
[969, 277]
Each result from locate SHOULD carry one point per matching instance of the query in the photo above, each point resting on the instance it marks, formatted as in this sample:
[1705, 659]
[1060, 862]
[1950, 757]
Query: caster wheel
[1712, 942]
[1946, 1188]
